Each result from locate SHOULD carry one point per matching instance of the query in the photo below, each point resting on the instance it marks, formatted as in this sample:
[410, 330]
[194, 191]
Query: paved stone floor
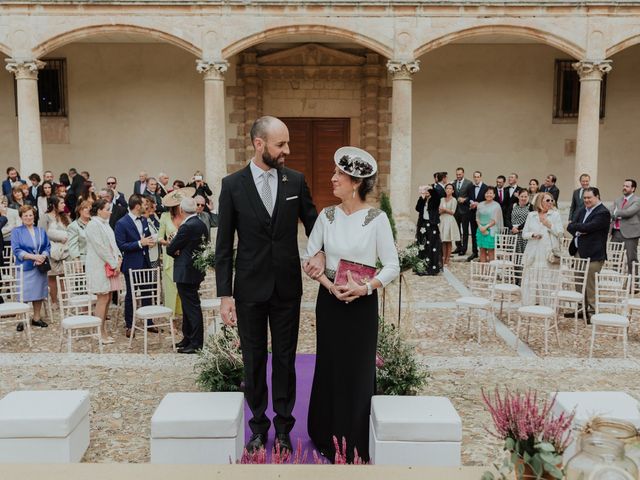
[126, 386]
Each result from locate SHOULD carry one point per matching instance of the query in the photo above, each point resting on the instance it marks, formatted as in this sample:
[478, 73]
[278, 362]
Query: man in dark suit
[262, 203]
[590, 230]
[77, 183]
[118, 197]
[576, 198]
[140, 185]
[502, 195]
[3, 222]
[460, 189]
[549, 185]
[47, 176]
[475, 194]
[134, 239]
[512, 188]
[187, 241]
[13, 177]
[117, 210]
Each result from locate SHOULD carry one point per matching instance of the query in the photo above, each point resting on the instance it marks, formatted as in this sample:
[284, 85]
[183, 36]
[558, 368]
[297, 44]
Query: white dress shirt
[257, 172]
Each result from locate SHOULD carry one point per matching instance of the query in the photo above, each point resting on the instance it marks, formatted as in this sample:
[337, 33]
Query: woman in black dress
[347, 314]
[427, 230]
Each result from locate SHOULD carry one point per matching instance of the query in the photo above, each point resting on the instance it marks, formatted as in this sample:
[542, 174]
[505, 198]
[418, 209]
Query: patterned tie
[265, 194]
[500, 195]
[617, 224]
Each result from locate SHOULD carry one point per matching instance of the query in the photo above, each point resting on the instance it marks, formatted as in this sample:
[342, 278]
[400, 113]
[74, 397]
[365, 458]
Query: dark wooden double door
[312, 142]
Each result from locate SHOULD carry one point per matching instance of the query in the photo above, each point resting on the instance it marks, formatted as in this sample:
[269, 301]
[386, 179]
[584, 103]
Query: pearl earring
[353, 195]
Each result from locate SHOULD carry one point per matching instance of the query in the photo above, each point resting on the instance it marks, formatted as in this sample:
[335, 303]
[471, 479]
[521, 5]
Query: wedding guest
[517, 217]
[200, 185]
[154, 227]
[55, 222]
[44, 192]
[140, 185]
[489, 221]
[163, 184]
[13, 218]
[13, 179]
[462, 186]
[102, 250]
[117, 211]
[87, 193]
[550, 187]
[118, 197]
[178, 184]
[448, 227]
[77, 242]
[30, 246]
[347, 314]
[475, 194]
[17, 199]
[34, 178]
[153, 191]
[576, 198]
[625, 217]
[427, 231]
[209, 219]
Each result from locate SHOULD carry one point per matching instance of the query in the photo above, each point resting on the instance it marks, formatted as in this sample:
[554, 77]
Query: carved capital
[24, 69]
[403, 69]
[212, 70]
[591, 70]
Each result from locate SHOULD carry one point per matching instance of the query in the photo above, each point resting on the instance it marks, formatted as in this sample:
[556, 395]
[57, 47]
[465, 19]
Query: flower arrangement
[219, 364]
[409, 259]
[278, 457]
[398, 371]
[355, 166]
[205, 257]
[534, 438]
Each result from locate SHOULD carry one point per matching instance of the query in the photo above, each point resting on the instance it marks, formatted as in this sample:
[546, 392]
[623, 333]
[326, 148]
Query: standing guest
[118, 197]
[427, 231]
[550, 187]
[3, 222]
[625, 216]
[55, 222]
[13, 218]
[88, 193]
[47, 176]
[268, 284]
[576, 198]
[170, 221]
[502, 196]
[34, 178]
[134, 239]
[64, 180]
[463, 220]
[513, 189]
[347, 314]
[534, 189]
[117, 210]
[17, 199]
[590, 230]
[86, 175]
[77, 242]
[209, 219]
[448, 229]
[44, 192]
[186, 242]
[102, 250]
[13, 179]
[153, 191]
[200, 185]
[178, 184]
[516, 218]
[140, 185]
[74, 191]
[475, 194]
[489, 221]
[61, 192]
[163, 184]
[154, 226]
[30, 246]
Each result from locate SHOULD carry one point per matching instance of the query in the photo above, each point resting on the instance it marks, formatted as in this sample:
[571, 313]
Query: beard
[276, 163]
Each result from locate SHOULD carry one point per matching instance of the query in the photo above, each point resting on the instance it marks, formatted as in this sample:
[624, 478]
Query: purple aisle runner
[305, 363]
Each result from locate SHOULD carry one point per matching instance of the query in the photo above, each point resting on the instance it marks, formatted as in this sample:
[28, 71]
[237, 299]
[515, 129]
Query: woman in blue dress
[31, 247]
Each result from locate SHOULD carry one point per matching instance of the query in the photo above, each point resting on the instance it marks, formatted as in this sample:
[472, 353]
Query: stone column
[400, 168]
[29, 135]
[215, 152]
[591, 73]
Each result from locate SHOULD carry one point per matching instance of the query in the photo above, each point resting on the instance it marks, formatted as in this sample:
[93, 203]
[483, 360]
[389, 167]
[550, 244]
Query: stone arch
[5, 50]
[527, 32]
[624, 44]
[256, 38]
[91, 30]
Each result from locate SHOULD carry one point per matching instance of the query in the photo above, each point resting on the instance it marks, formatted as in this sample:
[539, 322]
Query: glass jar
[601, 457]
[622, 430]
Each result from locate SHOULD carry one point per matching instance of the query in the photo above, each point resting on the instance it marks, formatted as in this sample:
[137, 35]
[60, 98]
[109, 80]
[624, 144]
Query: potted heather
[534, 438]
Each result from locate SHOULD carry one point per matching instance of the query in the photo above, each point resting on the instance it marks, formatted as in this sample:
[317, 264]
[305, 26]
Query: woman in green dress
[170, 220]
[489, 219]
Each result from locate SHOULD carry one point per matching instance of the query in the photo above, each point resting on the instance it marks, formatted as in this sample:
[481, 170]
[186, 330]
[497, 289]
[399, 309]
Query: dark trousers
[630, 245]
[463, 225]
[192, 328]
[283, 318]
[128, 304]
[474, 228]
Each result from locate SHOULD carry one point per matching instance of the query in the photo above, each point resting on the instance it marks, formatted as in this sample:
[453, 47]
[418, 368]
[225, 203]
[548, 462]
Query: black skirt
[345, 373]
[429, 245]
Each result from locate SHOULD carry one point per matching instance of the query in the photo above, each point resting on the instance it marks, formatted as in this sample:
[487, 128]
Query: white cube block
[414, 431]
[46, 426]
[615, 405]
[198, 428]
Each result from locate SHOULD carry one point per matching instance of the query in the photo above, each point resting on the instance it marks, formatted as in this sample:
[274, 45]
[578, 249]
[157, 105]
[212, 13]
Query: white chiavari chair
[564, 245]
[616, 261]
[146, 293]
[543, 284]
[633, 304]
[7, 254]
[73, 267]
[14, 310]
[612, 294]
[573, 282]
[75, 311]
[482, 278]
[209, 303]
[508, 288]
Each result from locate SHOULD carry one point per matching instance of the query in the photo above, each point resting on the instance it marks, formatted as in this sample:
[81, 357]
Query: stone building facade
[175, 85]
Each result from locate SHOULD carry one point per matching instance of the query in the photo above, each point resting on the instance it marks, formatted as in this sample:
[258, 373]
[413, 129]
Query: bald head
[270, 138]
[188, 205]
[264, 126]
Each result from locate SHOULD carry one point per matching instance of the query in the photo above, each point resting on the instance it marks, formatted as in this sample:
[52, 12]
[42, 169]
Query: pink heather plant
[277, 457]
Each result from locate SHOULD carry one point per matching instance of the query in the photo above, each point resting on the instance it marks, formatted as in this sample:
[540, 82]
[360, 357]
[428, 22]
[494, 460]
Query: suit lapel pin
[284, 178]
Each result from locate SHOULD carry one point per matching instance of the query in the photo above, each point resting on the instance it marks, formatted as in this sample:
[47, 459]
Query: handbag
[359, 272]
[59, 251]
[553, 257]
[109, 271]
[45, 266]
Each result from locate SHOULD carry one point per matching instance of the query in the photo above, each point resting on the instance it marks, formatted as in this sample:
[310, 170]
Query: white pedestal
[50, 426]
[198, 428]
[414, 431]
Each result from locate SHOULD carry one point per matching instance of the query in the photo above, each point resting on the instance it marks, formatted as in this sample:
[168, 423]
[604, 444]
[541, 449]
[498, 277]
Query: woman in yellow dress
[169, 223]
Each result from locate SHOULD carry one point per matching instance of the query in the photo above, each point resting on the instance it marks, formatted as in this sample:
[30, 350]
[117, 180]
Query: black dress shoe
[182, 343]
[570, 315]
[39, 323]
[20, 327]
[284, 440]
[472, 257]
[188, 349]
[256, 442]
[462, 253]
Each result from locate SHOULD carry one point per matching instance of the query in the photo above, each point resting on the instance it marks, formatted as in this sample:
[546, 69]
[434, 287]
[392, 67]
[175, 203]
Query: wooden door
[312, 142]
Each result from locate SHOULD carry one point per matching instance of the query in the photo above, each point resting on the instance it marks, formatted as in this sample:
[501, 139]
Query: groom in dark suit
[262, 204]
[187, 241]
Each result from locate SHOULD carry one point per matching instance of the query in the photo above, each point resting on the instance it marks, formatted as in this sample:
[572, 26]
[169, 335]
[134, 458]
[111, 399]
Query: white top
[362, 237]
[537, 249]
[257, 172]
[137, 223]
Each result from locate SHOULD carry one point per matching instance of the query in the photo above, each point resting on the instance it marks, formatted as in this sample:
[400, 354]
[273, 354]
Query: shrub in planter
[219, 365]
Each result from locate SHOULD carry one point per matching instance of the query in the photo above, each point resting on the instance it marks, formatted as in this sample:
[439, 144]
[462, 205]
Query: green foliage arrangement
[385, 206]
[409, 259]
[219, 365]
[205, 258]
[398, 371]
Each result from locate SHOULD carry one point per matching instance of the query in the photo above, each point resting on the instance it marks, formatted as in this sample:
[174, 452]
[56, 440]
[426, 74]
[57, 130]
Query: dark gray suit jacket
[576, 203]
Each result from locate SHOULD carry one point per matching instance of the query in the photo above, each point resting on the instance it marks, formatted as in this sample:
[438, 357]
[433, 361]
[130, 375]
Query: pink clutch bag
[110, 271]
[359, 272]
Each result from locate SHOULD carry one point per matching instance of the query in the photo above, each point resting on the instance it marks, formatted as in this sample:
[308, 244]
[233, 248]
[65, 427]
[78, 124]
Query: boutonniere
[284, 178]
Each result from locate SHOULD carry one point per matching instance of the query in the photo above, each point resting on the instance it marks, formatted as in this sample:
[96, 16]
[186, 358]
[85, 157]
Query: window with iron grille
[52, 88]
[566, 91]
